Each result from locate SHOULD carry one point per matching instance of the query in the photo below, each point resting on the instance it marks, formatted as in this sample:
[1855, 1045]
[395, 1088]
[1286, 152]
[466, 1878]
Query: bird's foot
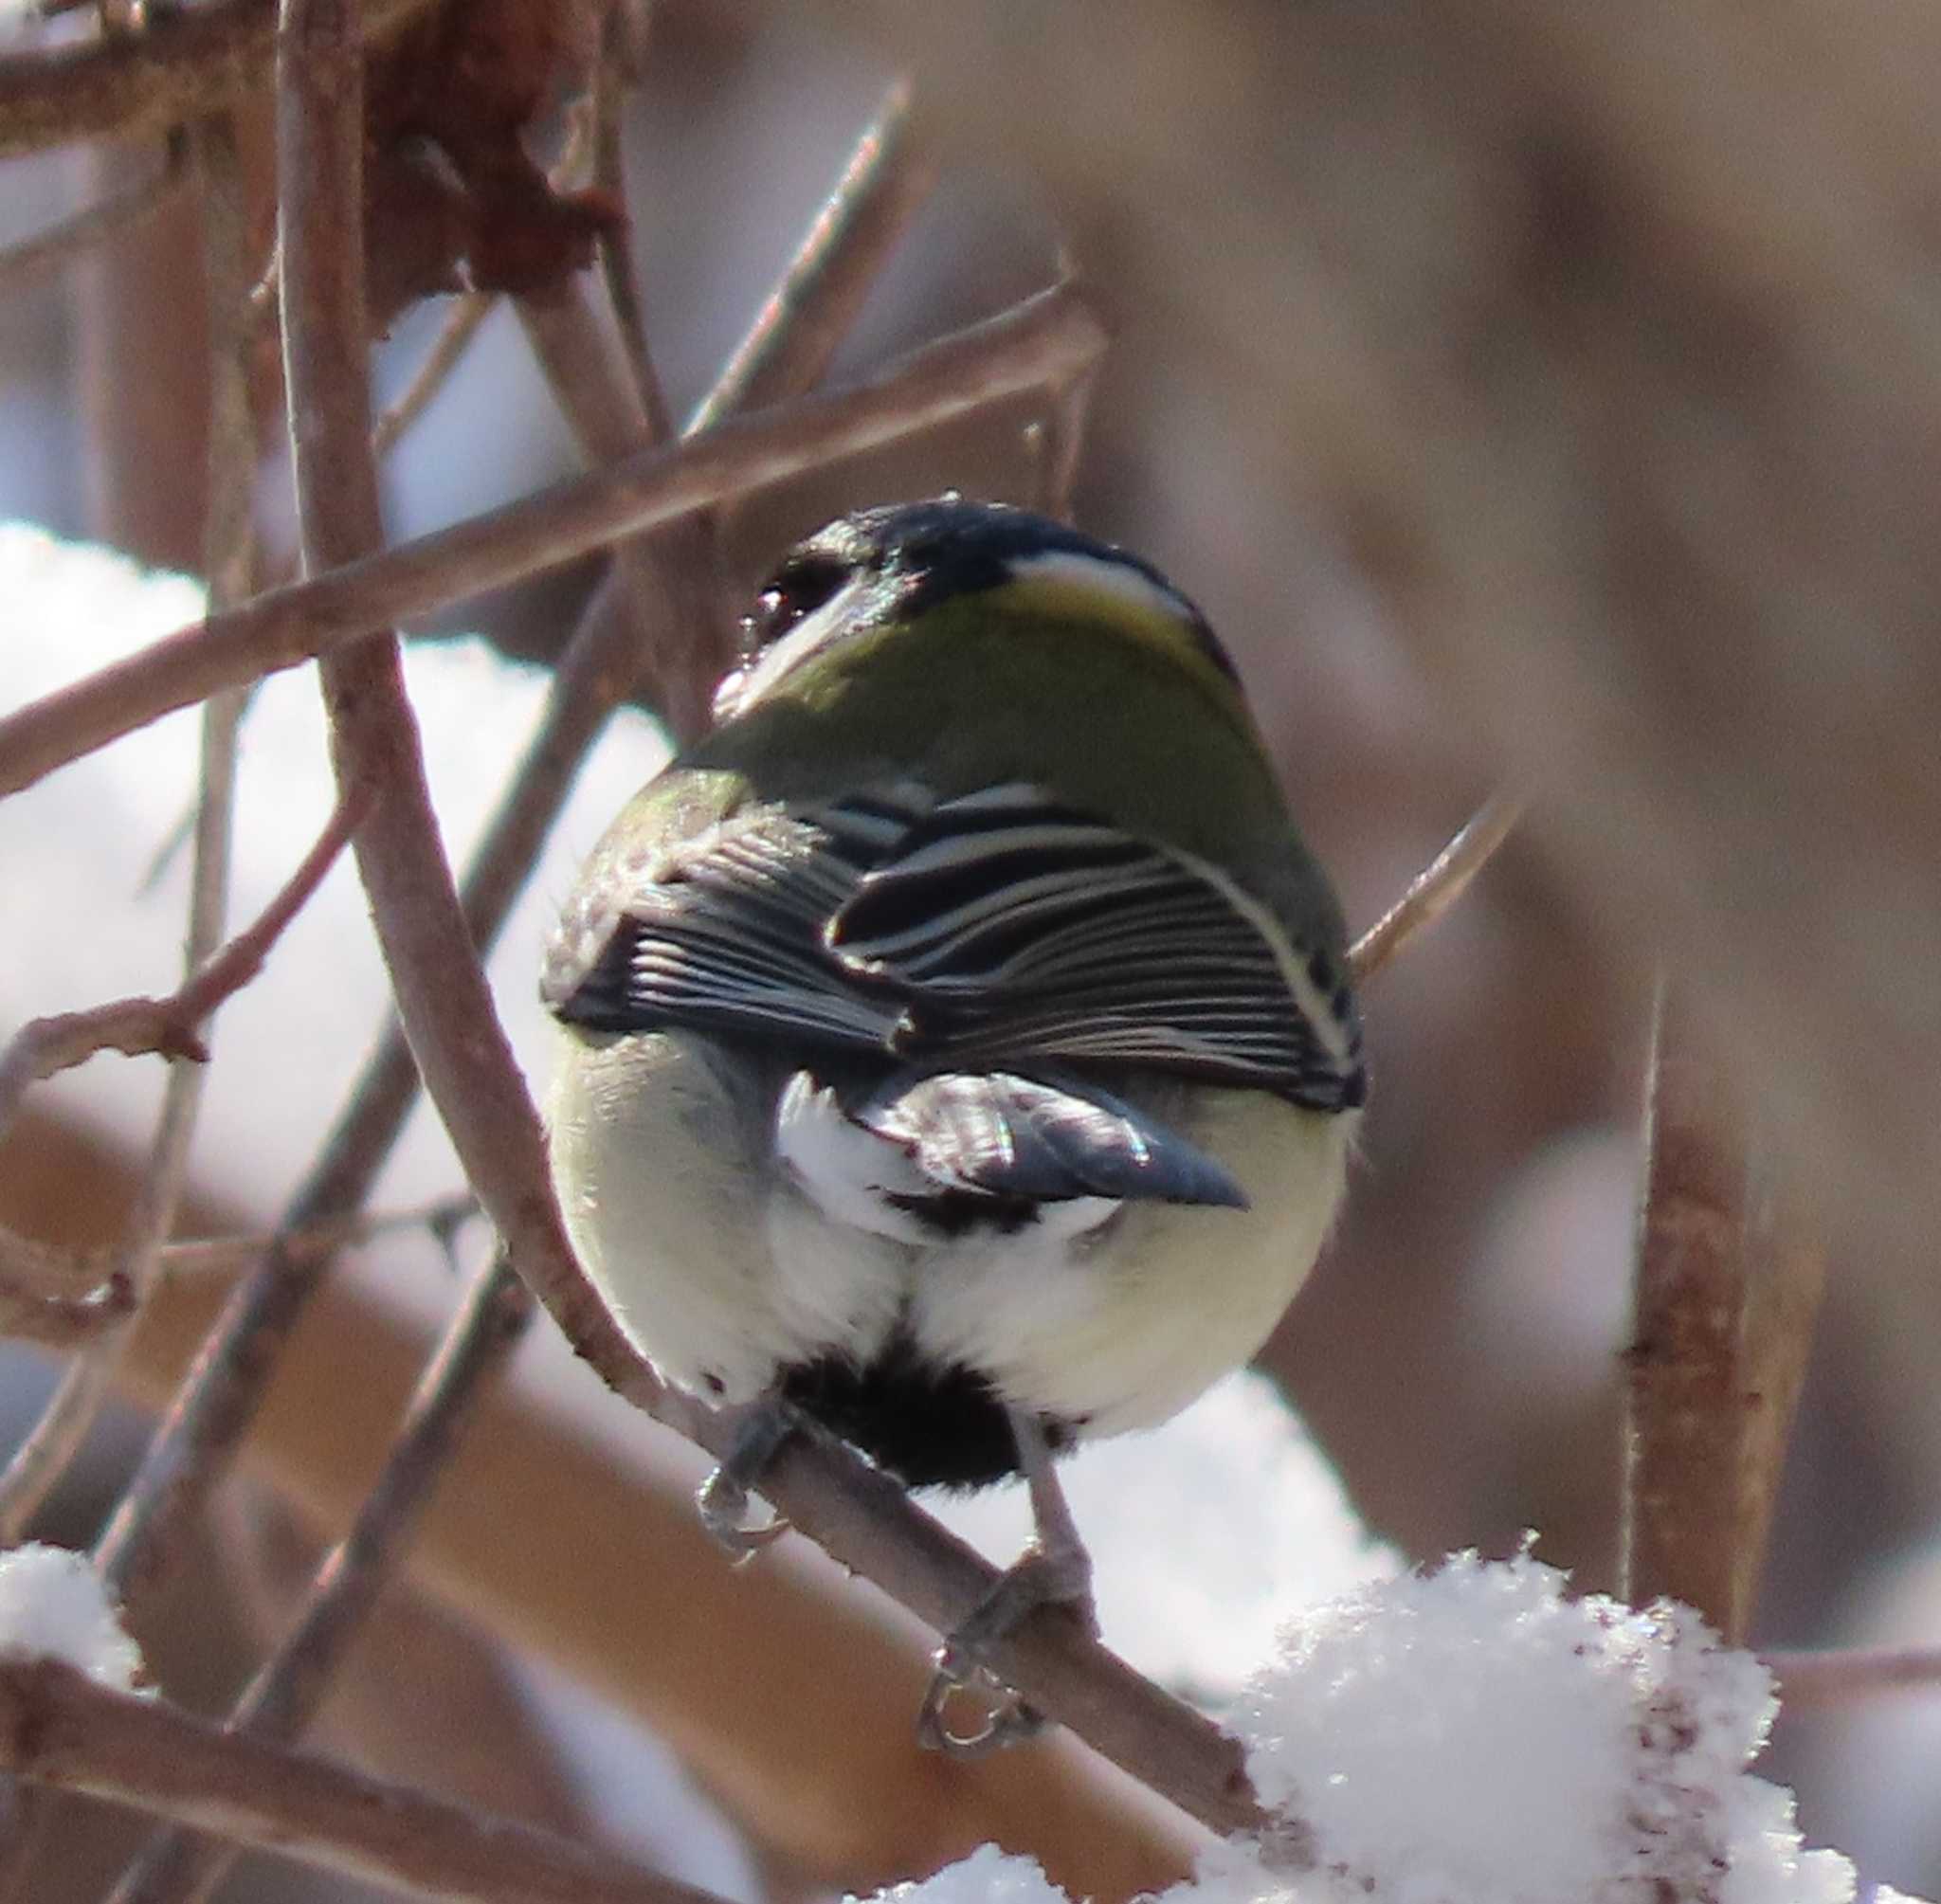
[1060, 1579]
[727, 1509]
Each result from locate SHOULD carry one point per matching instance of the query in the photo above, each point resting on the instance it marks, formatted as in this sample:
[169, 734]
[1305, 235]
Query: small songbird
[959, 1047]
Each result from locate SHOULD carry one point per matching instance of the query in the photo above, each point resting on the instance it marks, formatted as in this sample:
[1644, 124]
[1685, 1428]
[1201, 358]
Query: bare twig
[1045, 340]
[287, 1689]
[613, 71]
[669, 583]
[62, 1297]
[227, 1255]
[228, 537]
[171, 1026]
[209, 1417]
[1438, 885]
[461, 324]
[58, 1298]
[1056, 442]
[197, 63]
[1842, 1676]
[59, 1729]
[46, 1452]
[93, 223]
[796, 335]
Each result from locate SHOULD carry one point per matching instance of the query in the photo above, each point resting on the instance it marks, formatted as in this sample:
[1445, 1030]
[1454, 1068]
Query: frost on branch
[53, 1606]
[1474, 1735]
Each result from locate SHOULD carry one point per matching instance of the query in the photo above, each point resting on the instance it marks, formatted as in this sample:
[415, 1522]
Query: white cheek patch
[1101, 575]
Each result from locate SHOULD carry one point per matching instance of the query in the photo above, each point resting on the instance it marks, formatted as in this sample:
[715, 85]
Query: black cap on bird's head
[906, 556]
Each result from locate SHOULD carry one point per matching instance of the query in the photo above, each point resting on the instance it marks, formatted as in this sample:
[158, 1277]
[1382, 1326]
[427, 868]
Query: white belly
[1124, 1326]
[722, 1286]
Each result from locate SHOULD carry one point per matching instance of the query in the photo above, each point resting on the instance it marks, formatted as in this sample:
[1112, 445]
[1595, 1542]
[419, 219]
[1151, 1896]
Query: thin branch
[1056, 442]
[613, 72]
[669, 583]
[1045, 340]
[58, 1298]
[1438, 885]
[62, 1297]
[59, 1729]
[197, 62]
[461, 324]
[797, 332]
[93, 223]
[171, 1026]
[227, 1255]
[1840, 1675]
[288, 1688]
[213, 975]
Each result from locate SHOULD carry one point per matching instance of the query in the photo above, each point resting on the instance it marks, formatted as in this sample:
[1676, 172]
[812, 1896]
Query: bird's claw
[1009, 1718]
[726, 1507]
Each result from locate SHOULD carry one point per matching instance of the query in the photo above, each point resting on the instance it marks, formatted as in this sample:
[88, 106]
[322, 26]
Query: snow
[53, 1606]
[1471, 1736]
[987, 1877]
[1542, 1748]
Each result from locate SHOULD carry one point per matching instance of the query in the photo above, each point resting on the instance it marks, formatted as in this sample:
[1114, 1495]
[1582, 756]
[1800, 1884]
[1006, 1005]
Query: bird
[959, 1054]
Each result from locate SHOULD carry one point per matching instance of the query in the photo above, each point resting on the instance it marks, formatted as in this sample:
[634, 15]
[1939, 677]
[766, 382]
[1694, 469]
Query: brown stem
[797, 332]
[613, 72]
[284, 1696]
[1726, 1289]
[59, 1729]
[669, 583]
[1843, 1674]
[454, 339]
[1045, 340]
[1440, 884]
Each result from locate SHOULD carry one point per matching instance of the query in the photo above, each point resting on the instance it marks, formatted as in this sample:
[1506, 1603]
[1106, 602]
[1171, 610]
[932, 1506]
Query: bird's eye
[797, 590]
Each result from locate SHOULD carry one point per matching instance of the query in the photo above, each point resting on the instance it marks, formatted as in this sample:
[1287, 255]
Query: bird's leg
[1054, 1571]
[760, 1429]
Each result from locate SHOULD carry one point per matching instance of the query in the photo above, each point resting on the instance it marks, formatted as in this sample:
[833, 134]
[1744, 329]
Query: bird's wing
[998, 931]
[1017, 929]
[724, 930]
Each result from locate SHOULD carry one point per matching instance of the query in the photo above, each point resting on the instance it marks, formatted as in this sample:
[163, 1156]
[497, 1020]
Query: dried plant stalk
[1727, 1290]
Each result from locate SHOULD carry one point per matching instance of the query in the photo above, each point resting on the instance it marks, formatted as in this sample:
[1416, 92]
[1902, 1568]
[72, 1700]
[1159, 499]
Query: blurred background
[1456, 1356]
